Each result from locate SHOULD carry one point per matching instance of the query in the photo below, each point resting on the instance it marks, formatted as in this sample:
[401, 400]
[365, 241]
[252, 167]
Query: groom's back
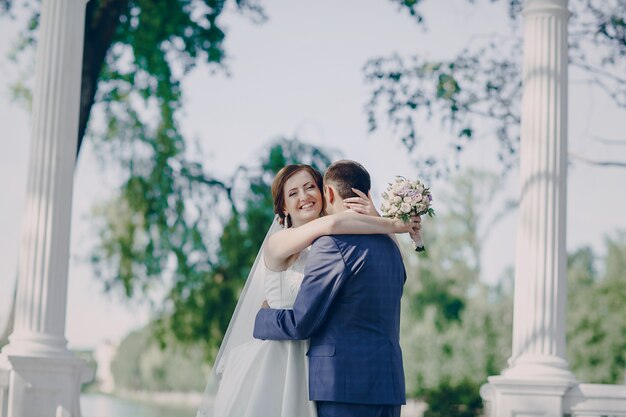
[356, 356]
[375, 286]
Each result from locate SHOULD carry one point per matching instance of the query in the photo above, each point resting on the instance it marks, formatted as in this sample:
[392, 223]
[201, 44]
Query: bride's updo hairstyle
[278, 186]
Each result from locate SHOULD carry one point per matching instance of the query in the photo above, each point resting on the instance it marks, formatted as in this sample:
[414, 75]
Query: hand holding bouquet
[404, 199]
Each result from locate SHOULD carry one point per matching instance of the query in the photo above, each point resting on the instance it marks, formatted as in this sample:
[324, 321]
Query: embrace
[316, 329]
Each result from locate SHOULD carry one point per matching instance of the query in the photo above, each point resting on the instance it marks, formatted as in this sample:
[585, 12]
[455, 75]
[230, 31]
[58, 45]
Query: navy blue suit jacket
[349, 306]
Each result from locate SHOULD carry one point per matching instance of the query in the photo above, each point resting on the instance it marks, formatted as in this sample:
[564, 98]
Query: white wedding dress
[267, 378]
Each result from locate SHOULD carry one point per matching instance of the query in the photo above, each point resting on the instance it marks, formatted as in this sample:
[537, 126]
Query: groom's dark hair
[345, 175]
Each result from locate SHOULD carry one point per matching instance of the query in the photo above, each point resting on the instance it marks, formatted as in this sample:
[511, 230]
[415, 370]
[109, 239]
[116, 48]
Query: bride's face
[303, 199]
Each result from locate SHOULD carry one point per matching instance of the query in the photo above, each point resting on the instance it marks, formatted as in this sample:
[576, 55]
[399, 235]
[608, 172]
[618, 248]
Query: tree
[135, 54]
[455, 329]
[141, 365]
[195, 242]
[595, 323]
[477, 93]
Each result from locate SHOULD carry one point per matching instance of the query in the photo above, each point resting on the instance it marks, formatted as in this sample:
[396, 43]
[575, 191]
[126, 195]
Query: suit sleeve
[324, 275]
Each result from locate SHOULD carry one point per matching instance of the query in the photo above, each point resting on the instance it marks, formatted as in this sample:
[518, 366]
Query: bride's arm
[281, 245]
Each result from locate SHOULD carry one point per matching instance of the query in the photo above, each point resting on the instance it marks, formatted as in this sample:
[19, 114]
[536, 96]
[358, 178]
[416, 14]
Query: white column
[541, 263]
[44, 375]
[538, 374]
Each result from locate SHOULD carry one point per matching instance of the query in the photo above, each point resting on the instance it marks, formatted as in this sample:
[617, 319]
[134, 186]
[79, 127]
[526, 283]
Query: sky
[300, 73]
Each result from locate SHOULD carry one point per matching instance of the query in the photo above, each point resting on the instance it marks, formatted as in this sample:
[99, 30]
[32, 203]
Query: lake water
[98, 405]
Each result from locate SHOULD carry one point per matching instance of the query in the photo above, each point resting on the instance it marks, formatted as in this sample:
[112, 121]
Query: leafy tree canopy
[456, 329]
[135, 54]
[193, 239]
[477, 93]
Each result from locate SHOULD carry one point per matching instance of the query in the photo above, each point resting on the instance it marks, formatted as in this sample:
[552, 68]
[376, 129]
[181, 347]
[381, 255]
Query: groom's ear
[329, 194]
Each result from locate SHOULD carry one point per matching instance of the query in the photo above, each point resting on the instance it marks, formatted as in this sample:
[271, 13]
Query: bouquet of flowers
[405, 198]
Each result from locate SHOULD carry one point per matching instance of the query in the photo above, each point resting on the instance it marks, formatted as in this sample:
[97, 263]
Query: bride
[266, 378]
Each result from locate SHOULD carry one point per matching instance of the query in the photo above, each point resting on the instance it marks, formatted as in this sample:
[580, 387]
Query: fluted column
[538, 376]
[44, 377]
[44, 252]
[540, 264]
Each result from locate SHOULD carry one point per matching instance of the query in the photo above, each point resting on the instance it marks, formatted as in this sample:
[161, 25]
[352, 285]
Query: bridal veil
[241, 325]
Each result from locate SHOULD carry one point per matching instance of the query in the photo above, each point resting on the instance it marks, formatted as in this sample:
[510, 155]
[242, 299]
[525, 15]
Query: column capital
[551, 7]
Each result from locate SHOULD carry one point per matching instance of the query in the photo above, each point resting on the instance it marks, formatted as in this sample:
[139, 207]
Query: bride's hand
[411, 227]
[362, 204]
[416, 225]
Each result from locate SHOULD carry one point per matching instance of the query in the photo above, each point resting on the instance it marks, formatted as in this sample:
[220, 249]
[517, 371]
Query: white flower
[405, 197]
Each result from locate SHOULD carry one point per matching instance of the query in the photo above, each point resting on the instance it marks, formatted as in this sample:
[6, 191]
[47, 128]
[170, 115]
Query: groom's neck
[337, 207]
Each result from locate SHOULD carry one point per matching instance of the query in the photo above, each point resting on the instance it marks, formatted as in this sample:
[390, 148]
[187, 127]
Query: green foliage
[155, 221]
[595, 323]
[477, 93]
[455, 330]
[202, 307]
[155, 44]
[412, 7]
[451, 267]
[141, 365]
[136, 54]
[465, 404]
[159, 236]
[193, 239]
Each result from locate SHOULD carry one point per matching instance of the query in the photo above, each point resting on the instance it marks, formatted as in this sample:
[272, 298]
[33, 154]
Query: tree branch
[101, 22]
[614, 142]
[5, 5]
[614, 164]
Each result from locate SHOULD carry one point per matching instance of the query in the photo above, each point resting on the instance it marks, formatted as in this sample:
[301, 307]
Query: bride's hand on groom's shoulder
[362, 204]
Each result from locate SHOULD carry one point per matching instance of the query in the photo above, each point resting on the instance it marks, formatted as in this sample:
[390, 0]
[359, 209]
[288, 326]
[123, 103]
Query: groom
[349, 306]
